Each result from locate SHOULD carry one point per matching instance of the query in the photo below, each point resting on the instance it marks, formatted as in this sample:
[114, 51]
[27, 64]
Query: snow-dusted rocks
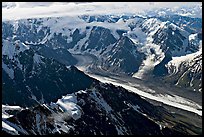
[68, 104]
[101, 110]
[186, 71]
[37, 60]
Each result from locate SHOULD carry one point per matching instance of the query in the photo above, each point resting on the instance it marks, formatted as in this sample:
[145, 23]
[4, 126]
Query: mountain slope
[122, 53]
[101, 110]
[186, 71]
[112, 42]
[29, 74]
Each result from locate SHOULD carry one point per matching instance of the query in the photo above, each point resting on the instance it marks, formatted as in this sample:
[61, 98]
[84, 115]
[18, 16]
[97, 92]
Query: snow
[17, 127]
[180, 100]
[192, 36]
[63, 127]
[61, 25]
[176, 101]
[81, 42]
[141, 36]
[112, 26]
[153, 25]
[81, 92]
[7, 107]
[8, 126]
[104, 105]
[43, 40]
[10, 50]
[186, 14]
[177, 61]
[67, 25]
[181, 30]
[5, 115]
[9, 129]
[68, 105]
[135, 107]
[98, 98]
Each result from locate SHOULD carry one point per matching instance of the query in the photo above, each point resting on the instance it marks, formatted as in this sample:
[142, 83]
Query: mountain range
[45, 92]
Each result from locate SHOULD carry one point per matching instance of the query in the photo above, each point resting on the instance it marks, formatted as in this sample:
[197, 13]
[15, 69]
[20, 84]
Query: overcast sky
[19, 10]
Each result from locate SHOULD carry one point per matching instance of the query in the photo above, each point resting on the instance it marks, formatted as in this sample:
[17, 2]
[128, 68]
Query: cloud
[21, 10]
[33, 4]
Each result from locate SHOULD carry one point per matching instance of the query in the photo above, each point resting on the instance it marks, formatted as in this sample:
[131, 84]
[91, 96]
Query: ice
[68, 105]
[180, 103]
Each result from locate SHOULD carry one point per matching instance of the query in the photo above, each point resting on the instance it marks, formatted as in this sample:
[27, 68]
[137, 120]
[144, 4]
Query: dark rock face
[169, 39]
[32, 31]
[44, 73]
[187, 75]
[106, 110]
[117, 54]
[160, 69]
[99, 38]
[47, 80]
[61, 55]
[76, 36]
[124, 56]
[7, 30]
[193, 44]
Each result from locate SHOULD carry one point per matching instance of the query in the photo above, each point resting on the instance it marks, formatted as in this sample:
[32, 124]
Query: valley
[102, 74]
[87, 64]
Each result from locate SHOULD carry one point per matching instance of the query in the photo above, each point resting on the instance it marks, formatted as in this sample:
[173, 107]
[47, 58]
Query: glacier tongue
[152, 59]
[177, 101]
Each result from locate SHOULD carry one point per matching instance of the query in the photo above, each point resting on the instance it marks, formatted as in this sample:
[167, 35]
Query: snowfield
[68, 105]
[7, 126]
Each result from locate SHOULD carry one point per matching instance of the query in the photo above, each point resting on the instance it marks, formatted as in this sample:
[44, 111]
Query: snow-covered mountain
[186, 71]
[88, 107]
[38, 58]
[187, 11]
[101, 110]
[102, 37]
[28, 74]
